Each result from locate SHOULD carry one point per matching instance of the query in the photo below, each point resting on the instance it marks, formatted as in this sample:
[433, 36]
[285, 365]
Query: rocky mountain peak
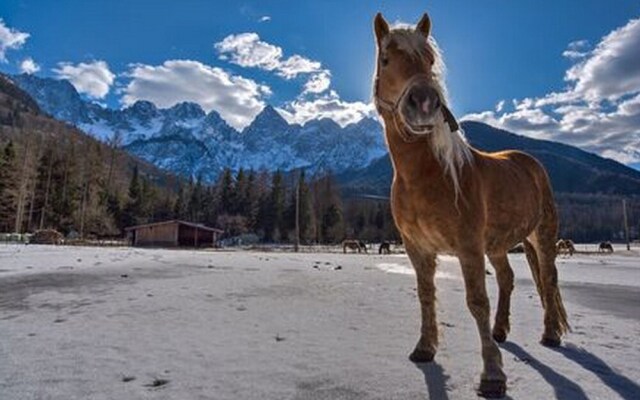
[186, 110]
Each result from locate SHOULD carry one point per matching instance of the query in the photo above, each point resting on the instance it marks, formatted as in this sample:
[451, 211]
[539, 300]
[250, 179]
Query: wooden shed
[174, 233]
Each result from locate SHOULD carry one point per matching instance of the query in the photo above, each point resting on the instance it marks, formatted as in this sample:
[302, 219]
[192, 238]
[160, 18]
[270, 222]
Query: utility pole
[296, 245]
[626, 223]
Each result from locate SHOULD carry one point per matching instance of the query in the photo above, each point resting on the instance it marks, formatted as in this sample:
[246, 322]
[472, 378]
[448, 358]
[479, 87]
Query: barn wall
[187, 235]
[158, 235]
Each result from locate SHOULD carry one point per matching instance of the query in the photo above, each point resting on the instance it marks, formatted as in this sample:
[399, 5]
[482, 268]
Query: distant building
[174, 233]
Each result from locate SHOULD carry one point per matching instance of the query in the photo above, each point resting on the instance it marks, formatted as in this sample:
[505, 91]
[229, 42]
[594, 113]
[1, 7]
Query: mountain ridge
[192, 143]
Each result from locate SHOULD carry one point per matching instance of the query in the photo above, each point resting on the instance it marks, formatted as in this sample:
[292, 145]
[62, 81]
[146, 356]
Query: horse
[385, 248]
[605, 247]
[353, 245]
[450, 198]
[565, 246]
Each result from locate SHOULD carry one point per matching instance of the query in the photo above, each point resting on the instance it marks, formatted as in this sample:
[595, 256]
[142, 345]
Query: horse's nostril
[413, 99]
[436, 102]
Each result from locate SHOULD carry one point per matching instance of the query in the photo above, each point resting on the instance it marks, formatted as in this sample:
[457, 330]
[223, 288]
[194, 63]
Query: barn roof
[174, 221]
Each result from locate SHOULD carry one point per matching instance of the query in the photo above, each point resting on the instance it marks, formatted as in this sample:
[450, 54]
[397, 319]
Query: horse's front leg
[425, 265]
[493, 380]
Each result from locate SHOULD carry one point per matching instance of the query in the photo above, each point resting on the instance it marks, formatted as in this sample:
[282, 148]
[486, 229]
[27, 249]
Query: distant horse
[448, 197]
[354, 245]
[605, 247]
[565, 246]
[385, 248]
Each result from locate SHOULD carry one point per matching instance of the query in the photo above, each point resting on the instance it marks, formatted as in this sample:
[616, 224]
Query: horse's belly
[504, 234]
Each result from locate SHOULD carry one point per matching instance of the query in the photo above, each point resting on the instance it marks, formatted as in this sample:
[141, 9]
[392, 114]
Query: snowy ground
[123, 323]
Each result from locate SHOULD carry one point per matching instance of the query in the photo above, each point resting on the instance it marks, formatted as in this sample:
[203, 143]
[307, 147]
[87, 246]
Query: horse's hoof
[492, 389]
[500, 337]
[421, 356]
[550, 342]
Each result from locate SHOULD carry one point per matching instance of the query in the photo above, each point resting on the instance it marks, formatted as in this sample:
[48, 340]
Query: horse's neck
[411, 161]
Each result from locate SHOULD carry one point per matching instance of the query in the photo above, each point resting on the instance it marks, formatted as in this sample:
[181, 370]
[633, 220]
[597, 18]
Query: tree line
[80, 188]
[263, 204]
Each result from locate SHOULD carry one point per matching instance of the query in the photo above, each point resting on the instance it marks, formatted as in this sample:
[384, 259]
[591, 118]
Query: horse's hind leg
[546, 277]
[504, 275]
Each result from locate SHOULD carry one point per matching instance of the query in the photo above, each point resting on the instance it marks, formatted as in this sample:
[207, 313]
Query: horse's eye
[384, 61]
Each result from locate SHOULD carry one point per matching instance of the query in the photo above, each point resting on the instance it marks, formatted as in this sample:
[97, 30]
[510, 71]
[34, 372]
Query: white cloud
[315, 100]
[576, 49]
[10, 39]
[318, 83]
[237, 99]
[93, 79]
[28, 66]
[247, 50]
[500, 106]
[265, 18]
[613, 68]
[327, 106]
[599, 111]
[296, 65]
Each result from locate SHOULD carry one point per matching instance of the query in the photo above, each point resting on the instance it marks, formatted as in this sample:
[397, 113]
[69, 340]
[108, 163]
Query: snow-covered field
[124, 323]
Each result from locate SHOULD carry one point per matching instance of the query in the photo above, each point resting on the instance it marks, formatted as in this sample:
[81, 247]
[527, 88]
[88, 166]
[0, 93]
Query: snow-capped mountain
[187, 141]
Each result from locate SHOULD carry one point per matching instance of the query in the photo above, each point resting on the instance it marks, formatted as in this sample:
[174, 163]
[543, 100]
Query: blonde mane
[450, 148]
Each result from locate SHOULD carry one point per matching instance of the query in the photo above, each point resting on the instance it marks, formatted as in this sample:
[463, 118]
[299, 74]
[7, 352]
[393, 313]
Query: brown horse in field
[354, 245]
[448, 197]
[605, 247]
[565, 246]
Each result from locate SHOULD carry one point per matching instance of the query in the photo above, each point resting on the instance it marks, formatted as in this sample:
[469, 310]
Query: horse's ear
[424, 26]
[380, 26]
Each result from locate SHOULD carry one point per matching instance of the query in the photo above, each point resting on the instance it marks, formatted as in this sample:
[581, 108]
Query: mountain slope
[22, 119]
[571, 170]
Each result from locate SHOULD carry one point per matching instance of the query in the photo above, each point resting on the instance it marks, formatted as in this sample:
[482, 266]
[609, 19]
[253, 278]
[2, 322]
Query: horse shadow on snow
[566, 389]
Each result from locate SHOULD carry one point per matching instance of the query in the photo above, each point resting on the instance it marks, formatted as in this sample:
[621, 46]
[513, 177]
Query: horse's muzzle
[419, 107]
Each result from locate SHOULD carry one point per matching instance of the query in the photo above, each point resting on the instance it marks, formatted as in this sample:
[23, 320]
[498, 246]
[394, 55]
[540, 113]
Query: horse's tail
[534, 265]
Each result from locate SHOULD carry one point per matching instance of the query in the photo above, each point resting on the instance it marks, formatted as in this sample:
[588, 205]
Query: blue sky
[497, 52]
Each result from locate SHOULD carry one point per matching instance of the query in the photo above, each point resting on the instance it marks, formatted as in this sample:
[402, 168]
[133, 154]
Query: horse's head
[408, 83]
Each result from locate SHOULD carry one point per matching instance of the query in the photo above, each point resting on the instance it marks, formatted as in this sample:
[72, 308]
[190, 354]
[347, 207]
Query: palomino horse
[354, 245]
[565, 246]
[448, 197]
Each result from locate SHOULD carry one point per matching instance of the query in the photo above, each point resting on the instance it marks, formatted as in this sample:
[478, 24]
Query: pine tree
[241, 206]
[226, 192]
[274, 221]
[195, 202]
[300, 193]
[179, 207]
[332, 224]
[252, 199]
[132, 213]
[8, 187]
[42, 193]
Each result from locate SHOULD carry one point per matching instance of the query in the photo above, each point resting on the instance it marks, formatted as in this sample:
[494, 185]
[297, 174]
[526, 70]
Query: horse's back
[517, 194]
[514, 167]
